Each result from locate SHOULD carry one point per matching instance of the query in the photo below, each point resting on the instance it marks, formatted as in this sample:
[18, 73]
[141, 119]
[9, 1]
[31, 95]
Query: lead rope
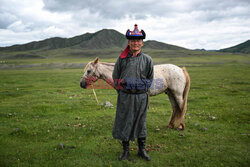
[94, 89]
[95, 94]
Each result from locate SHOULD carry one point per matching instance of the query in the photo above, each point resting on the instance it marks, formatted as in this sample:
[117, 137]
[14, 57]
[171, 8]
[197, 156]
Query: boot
[125, 154]
[142, 152]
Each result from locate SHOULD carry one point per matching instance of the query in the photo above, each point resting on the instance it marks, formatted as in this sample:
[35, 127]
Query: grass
[46, 119]
[68, 55]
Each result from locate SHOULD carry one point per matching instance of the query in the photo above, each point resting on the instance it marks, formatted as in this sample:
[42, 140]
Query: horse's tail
[183, 108]
[177, 118]
[185, 92]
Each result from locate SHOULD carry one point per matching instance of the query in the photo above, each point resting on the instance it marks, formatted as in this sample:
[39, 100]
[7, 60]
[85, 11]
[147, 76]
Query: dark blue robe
[132, 79]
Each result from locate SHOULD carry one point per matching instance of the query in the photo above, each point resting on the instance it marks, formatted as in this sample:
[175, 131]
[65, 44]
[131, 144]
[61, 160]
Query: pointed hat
[135, 34]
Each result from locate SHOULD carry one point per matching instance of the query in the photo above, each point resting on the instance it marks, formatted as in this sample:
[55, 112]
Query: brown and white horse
[172, 80]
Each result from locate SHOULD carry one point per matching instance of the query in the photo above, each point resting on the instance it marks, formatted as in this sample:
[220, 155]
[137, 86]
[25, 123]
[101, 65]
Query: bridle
[94, 75]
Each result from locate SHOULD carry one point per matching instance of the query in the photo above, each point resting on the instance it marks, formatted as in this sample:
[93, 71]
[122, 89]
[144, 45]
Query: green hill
[103, 39]
[152, 44]
[106, 43]
[240, 48]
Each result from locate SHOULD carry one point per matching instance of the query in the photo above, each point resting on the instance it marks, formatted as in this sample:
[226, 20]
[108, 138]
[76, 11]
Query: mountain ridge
[243, 47]
[105, 38]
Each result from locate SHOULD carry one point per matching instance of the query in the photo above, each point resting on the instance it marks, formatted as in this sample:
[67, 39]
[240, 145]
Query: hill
[99, 40]
[240, 48]
[103, 39]
[152, 44]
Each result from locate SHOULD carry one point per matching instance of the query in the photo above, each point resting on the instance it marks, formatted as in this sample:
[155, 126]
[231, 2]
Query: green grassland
[46, 119]
[65, 56]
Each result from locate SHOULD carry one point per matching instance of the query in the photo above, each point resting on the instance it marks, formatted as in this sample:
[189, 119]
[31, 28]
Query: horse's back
[172, 76]
[168, 71]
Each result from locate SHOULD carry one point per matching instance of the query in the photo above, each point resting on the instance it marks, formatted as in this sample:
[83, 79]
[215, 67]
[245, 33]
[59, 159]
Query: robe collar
[127, 53]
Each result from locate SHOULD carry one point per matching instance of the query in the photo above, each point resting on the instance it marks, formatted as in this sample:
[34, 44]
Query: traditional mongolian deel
[132, 102]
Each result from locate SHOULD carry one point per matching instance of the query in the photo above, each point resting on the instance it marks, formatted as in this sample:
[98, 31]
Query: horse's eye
[88, 71]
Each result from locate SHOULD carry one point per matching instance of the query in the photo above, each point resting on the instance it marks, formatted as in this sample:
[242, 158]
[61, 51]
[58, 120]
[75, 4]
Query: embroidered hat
[135, 34]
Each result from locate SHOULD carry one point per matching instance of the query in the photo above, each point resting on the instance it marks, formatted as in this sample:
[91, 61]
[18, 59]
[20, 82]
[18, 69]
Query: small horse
[175, 82]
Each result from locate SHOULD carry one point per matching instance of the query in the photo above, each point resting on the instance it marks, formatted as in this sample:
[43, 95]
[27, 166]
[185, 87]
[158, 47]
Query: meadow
[46, 119]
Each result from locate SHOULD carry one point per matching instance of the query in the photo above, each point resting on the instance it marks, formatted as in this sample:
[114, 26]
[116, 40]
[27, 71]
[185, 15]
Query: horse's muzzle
[83, 84]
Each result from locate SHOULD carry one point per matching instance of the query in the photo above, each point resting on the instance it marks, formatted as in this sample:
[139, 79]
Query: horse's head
[91, 74]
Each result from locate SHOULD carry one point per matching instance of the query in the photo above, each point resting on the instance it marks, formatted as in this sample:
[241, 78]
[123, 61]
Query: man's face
[135, 44]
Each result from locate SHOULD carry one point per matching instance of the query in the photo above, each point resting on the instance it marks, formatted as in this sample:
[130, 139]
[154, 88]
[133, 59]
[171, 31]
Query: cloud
[114, 9]
[6, 19]
[111, 9]
[210, 24]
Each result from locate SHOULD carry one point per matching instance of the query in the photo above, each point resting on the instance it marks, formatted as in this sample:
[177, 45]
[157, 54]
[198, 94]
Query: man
[132, 75]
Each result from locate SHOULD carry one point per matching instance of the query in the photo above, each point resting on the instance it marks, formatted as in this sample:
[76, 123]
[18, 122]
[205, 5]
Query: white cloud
[209, 24]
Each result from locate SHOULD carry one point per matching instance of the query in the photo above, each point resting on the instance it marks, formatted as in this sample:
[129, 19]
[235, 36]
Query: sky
[193, 24]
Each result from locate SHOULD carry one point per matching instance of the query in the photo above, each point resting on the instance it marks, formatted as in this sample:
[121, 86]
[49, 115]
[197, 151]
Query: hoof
[169, 126]
[181, 127]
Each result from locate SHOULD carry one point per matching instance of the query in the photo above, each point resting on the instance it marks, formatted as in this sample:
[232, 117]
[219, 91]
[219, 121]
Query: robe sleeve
[150, 75]
[116, 74]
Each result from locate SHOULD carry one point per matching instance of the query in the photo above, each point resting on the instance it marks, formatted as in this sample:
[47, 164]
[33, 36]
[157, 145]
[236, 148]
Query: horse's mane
[103, 63]
[87, 67]
[108, 64]
[105, 67]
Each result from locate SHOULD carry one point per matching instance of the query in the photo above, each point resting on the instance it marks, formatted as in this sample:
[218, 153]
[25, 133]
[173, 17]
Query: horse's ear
[96, 60]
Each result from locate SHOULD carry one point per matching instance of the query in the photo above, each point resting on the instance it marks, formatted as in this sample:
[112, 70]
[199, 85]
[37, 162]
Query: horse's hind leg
[182, 111]
[174, 108]
[176, 119]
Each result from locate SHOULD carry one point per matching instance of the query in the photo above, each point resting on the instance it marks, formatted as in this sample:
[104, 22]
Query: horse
[175, 82]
